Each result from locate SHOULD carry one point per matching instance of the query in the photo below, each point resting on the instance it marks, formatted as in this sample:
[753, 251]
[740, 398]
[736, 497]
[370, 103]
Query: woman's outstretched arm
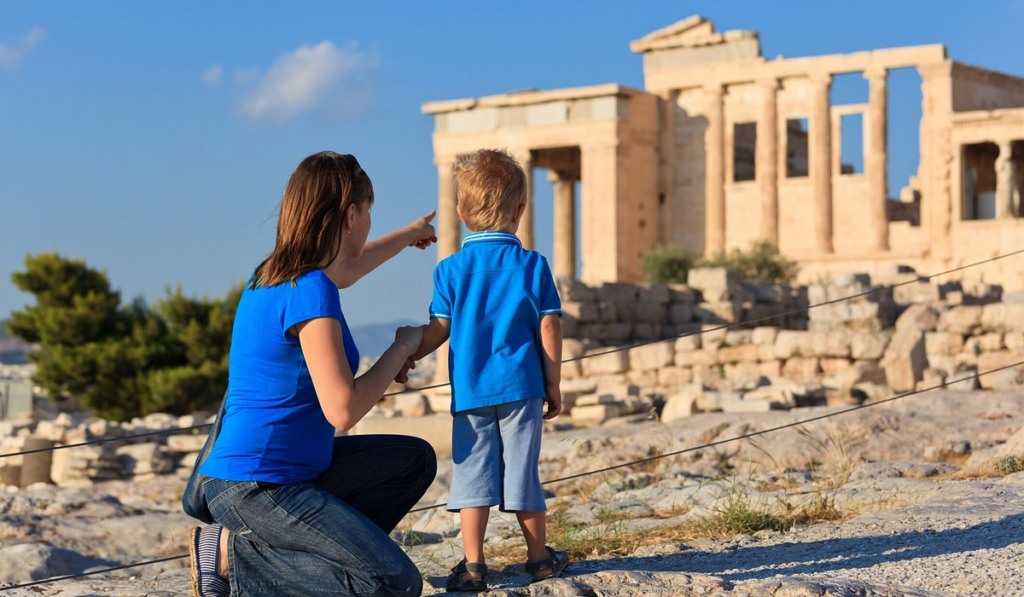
[419, 234]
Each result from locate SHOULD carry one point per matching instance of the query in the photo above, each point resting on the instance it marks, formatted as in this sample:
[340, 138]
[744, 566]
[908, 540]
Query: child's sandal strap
[556, 562]
[457, 581]
[472, 567]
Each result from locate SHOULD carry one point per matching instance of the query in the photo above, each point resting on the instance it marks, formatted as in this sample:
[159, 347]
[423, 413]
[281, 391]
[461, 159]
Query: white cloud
[213, 75]
[306, 79]
[11, 56]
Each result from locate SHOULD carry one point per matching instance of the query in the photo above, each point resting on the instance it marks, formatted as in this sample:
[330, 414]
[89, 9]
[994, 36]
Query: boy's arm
[551, 342]
[434, 335]
[419, 234]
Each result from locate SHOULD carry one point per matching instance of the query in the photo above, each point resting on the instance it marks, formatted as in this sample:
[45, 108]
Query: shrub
[667, 264]
[1008, 465]
[761, 263]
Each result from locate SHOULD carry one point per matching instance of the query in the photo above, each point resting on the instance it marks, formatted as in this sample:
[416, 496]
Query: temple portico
[603, 138]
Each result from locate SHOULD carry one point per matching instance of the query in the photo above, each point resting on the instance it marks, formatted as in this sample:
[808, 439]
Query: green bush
[667, 264]
[670, 264]
[121, 361]
[1008, 465]
[761, 263]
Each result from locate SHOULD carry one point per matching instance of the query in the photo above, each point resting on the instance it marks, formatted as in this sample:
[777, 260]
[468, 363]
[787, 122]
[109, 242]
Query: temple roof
[691, 32]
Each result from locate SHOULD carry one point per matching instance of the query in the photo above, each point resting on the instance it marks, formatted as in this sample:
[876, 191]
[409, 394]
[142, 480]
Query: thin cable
[608, 468]
[103, 571]
[757, 433]
[103, 440]
[579, 358]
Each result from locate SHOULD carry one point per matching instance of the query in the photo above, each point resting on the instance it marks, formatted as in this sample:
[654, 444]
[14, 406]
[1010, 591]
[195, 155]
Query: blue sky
[153, 140]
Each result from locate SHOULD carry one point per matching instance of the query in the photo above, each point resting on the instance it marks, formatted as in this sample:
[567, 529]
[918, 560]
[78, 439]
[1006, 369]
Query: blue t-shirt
[494, 292]
[273, 428]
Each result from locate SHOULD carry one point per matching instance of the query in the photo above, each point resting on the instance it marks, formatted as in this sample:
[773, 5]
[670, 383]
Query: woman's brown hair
[313, 210]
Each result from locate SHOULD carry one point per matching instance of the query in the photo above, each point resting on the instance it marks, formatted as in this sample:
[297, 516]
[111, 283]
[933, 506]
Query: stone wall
[844, 350]
[650, 351]
[81, 466]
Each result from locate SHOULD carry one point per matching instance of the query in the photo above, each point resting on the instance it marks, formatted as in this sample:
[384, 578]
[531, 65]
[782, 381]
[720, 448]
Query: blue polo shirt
[274, 429]
[494, 292]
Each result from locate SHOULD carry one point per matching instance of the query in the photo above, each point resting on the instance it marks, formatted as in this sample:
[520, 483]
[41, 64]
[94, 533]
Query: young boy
[497, 303]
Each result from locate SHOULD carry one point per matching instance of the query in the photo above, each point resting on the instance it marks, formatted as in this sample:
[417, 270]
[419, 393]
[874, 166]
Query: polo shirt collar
[491, 236]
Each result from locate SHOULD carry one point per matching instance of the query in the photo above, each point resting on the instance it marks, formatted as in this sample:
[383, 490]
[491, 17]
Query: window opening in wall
[849, 88]
[903, 124]
[851, 144]
[903, 144]
[979, 176]
[744, 146]
[796, 148]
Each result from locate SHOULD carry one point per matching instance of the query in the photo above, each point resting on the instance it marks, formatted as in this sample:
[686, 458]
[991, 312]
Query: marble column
[1004, 181]
[526, 227]
[564, 265]
[449, 229]
[877, 159]
[767, 161]
[821, 161]
[449, 240]
[714, 173]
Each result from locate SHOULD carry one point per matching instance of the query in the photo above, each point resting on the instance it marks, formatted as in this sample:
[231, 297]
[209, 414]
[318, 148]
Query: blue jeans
[328, 535]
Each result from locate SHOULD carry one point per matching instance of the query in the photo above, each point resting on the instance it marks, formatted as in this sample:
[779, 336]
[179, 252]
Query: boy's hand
[403, 373]
[423, 231]
[554, 402]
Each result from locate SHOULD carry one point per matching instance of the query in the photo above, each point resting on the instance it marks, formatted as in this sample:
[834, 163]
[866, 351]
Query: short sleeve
[550, 303]
[440, 302]
[312, 297]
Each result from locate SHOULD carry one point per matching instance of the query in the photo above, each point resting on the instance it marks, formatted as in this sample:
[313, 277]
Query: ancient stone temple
[725, 147]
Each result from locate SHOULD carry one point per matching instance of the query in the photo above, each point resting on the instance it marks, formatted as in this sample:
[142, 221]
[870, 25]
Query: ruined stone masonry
[724, 147]
[645, 351]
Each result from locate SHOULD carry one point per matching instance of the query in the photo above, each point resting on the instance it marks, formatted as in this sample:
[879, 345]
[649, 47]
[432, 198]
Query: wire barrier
[607, 468]
[91, 573]
[725, 326]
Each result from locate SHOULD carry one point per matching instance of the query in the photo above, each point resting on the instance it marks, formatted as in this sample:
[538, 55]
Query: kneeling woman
[298, 510]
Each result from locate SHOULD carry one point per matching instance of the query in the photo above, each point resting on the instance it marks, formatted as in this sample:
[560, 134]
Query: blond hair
[313, 207]
[490, 185]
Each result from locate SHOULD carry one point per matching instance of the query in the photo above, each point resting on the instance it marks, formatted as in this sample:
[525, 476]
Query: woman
[299, 511]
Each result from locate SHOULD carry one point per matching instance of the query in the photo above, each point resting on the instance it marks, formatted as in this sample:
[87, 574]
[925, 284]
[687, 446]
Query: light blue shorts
[496, 451]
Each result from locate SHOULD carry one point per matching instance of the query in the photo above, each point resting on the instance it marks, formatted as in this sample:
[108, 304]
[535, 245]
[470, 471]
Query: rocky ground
[895, 499]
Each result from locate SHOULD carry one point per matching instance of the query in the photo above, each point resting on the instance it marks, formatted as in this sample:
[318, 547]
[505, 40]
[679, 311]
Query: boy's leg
[521, 426]
[474, 529]
[476, 475]
[534, 526]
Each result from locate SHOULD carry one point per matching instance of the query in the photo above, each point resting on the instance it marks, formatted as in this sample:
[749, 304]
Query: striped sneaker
[204, 553]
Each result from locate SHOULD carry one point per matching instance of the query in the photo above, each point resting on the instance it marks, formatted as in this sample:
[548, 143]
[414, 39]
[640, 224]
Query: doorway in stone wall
[979, 181]
[557, 202]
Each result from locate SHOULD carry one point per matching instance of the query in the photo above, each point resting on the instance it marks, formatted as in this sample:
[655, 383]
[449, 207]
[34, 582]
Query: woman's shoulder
[313, 277]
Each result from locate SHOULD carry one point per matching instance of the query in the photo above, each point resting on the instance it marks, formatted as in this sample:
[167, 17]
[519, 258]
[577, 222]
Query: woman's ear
[348, 219]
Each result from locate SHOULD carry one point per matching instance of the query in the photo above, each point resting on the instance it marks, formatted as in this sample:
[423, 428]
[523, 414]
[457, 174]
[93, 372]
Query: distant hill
[373, 339]
[12, 350]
